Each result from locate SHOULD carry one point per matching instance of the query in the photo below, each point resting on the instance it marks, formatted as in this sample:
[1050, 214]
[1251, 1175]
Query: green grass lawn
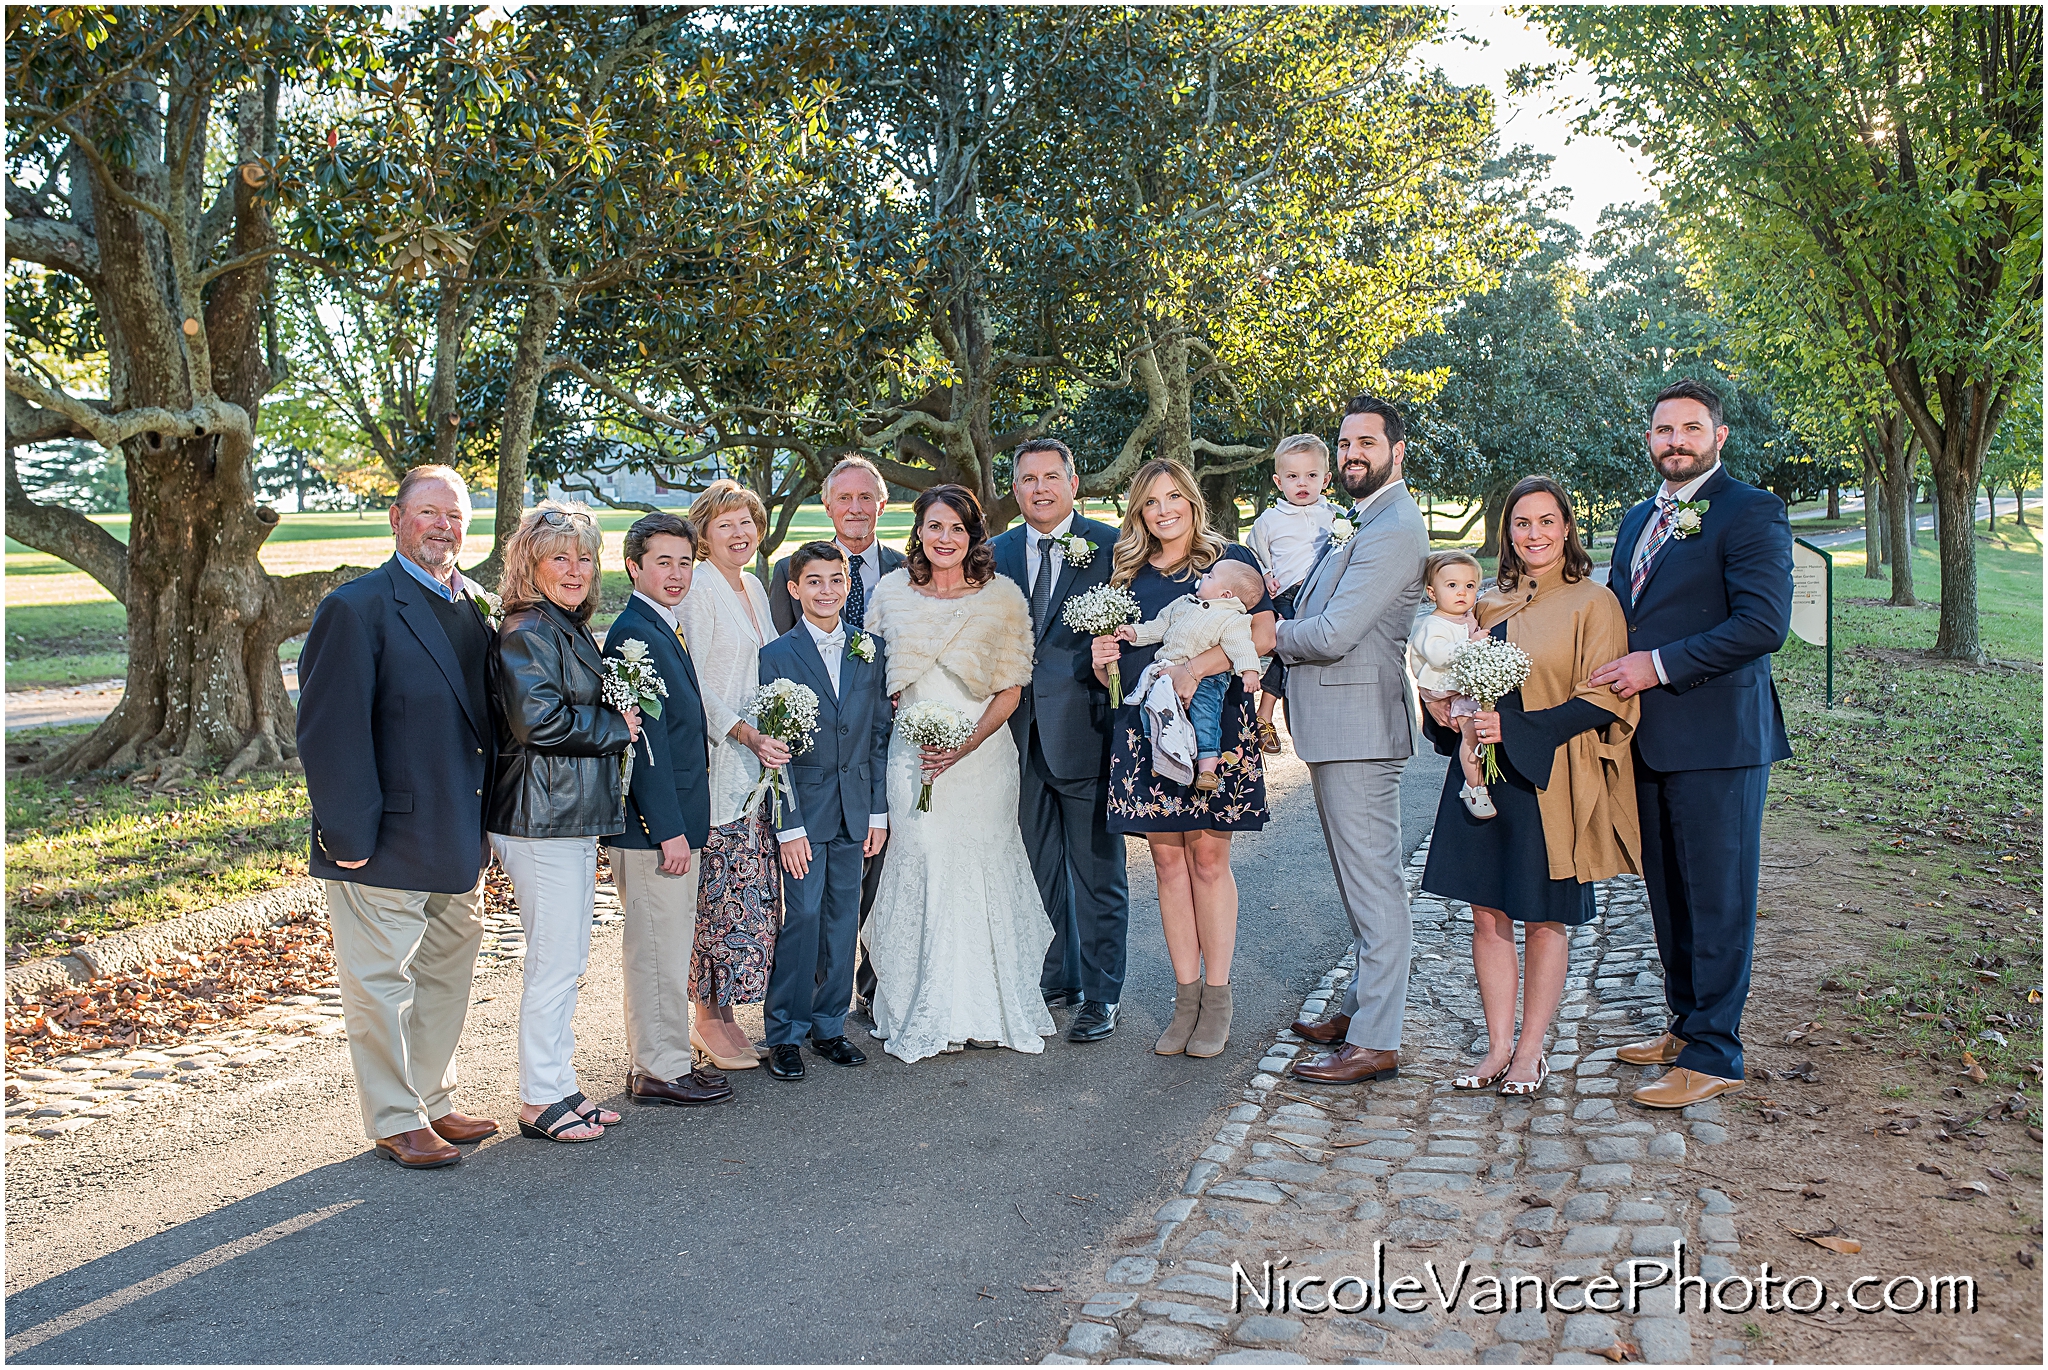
[1929, 773]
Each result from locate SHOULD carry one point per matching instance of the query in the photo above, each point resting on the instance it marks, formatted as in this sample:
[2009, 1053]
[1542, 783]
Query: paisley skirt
[739, 910]
[1141, 802]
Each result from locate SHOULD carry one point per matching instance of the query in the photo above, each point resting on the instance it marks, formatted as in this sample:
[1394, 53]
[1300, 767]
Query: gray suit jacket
[1346, 648]
[783, 609]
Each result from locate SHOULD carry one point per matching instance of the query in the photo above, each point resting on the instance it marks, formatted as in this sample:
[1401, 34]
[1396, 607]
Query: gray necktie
[856, 593]
[1041, 589]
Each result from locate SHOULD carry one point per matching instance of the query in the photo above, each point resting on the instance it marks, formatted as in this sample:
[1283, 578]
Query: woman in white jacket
[725, 623]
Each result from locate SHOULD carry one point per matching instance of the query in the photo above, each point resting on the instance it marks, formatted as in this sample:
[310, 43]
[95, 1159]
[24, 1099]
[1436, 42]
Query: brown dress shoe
[683, 1091]
[1679, 1087]
[1661, 1052]
[1321, 1033]
[419, 1149]
[460, 1127]
[1350, 1065]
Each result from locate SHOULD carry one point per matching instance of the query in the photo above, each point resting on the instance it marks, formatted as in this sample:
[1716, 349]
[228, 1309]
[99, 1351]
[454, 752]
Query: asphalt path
[890, 1213]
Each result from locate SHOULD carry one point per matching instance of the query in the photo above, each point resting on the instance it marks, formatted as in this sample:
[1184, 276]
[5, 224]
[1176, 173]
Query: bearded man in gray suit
[1348, 708]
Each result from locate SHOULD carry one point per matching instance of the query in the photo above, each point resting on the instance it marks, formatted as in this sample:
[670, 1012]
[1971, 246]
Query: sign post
[1813, 601]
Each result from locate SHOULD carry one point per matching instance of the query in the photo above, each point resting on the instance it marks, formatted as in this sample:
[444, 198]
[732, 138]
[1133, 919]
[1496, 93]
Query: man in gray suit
[1349, 711]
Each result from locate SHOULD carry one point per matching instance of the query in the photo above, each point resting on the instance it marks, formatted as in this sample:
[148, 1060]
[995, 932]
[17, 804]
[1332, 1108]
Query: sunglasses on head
[555, 518]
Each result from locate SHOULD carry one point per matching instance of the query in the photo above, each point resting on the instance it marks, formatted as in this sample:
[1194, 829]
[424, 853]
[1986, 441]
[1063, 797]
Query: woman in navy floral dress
[1166, 545]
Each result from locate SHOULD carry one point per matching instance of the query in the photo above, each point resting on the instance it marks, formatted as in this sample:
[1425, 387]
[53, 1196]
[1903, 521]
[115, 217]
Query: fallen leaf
[1967, 1193]
[1805, 1070]
[1976, 1073]
[1620, 1351]
[1930, 1168]
[1846, 1246]
[1537, 1201]
[1772, 1115]
[1995, 1173]
[1899, 1127]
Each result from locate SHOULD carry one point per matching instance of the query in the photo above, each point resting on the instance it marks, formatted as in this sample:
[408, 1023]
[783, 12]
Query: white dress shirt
[1678, 495]
[662, 611]
[867, 565]
[1033, 554]
[832, 647]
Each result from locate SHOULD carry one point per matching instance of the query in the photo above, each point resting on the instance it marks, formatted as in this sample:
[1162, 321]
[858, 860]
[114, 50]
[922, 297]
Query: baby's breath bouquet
[1098, 613]
[939, 726]
[787, 712]
[631, 682]
[1488, 668]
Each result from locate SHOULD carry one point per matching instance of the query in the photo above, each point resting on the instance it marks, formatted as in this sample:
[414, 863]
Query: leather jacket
[558, 744]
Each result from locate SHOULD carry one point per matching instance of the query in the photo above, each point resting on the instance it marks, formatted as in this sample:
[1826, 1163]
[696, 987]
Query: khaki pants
[405, 959]
[661, 927]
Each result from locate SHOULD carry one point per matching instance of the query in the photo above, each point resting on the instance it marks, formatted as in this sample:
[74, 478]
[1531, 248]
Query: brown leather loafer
[460, 1127]
[683, 1091]
[1679, 1087]
[1350, 1065]
[1322, 1033]
[419, 1149]
[1661, 1052]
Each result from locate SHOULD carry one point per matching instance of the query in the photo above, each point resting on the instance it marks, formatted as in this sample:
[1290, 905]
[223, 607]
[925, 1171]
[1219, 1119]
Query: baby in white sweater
[1451, 580]
[1217, 614]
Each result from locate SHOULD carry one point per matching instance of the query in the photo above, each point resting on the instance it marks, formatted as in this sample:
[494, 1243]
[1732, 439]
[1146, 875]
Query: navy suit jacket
[1715, 606]
[843, 773]
[672, 797]
[397, 765]
[1064, 701]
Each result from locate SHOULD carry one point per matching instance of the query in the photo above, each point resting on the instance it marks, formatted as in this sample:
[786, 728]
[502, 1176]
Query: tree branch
[52, 243]
[65, 533]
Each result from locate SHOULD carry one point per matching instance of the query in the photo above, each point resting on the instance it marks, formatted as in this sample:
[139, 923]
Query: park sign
[1813, 602]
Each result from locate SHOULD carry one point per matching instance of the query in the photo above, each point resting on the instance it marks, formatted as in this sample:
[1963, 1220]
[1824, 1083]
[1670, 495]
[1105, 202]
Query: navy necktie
[856, 594]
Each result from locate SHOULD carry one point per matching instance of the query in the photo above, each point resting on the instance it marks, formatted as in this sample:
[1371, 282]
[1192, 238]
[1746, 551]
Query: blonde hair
[1436, 561]
[722, 497]
[1136, 545]
[540, 536]
[1302, 442]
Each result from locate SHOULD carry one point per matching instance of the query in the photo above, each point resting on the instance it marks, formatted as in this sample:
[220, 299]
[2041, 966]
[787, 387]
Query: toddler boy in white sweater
[1287, 538]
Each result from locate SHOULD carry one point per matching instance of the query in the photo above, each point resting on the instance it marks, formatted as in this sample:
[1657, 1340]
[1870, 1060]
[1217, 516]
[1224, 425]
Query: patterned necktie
[681, 641]
[1041, 589]
[1660, 533]
[856, 610]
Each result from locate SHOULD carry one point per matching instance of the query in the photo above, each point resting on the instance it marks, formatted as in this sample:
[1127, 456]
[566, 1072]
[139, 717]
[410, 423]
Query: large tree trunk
[1494, 504]
[1873, 511]
[522, 398]
[1834, 502]
[186, 373]
[1955, 514]
[2019, 503]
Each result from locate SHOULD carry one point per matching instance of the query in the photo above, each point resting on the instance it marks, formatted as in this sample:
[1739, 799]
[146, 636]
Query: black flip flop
[558, 1118]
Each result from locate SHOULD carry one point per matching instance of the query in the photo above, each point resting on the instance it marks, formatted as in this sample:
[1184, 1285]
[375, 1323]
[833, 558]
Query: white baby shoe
[1478, 802]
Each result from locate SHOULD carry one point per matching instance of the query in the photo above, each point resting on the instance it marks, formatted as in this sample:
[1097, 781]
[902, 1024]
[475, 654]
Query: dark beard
[1374, 479]
[1704, 465]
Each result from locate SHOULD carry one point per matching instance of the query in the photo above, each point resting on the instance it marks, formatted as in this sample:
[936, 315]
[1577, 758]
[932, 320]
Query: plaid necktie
[1660, 533]
[856, 610]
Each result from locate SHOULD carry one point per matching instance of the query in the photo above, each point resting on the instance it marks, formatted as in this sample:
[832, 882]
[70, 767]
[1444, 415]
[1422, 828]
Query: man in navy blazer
[396, 735]
[668, 817]
[835, 816]
[1704, 575]
[1061, 727]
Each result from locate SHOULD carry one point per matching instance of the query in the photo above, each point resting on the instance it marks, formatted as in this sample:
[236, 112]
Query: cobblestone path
[1575, 1181]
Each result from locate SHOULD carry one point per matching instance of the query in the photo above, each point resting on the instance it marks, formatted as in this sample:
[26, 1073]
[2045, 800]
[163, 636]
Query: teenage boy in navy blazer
[1704, 573]
[668, 817]
[836, 814]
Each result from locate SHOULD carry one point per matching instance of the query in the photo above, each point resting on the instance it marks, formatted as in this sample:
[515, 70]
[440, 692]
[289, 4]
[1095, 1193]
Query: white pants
[555, 882]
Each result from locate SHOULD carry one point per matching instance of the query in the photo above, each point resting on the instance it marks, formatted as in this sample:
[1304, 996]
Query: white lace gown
[958, 933]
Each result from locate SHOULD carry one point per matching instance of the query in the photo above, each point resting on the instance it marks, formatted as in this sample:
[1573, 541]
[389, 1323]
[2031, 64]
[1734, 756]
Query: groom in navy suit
[1061, 728]
[837, 813]
[1704, 574]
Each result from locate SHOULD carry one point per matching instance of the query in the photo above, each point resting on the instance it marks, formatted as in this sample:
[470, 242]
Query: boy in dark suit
[1704, 573]
[668, 817]
[837, 814]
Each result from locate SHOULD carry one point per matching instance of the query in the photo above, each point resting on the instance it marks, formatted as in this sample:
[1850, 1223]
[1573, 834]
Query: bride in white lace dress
[958, 934]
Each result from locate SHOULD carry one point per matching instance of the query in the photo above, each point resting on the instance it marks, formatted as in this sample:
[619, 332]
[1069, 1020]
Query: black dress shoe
[1062, 998]
[683, 1091]
[838, 1051]
[1093, 1023]
[785, 1062]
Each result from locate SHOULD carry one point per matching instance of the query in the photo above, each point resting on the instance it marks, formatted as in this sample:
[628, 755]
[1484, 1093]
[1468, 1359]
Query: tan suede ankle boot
[1212, 1028]
[1187, 1000]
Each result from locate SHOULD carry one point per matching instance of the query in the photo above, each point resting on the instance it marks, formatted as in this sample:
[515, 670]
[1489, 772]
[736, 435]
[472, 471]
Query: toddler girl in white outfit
[1451, 580]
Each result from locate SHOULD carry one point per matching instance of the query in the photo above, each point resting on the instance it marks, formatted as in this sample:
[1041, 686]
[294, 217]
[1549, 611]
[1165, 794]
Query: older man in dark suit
[668, 818]
[854, 496]
[1061, 727]
[396, 735]
[1704, 574]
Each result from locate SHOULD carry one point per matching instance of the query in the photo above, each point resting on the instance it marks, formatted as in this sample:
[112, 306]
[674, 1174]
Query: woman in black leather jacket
[556, 793]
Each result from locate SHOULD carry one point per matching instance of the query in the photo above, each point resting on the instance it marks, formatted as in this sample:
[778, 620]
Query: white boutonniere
[1686, 521]
[1340, 530]
[1078, 550]
[861, 646]
[488, 606]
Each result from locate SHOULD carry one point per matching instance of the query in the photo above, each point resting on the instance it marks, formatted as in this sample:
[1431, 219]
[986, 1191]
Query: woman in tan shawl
[1566, 798]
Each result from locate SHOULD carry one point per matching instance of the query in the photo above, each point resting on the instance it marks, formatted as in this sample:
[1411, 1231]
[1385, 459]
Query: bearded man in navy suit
[1704, 574]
